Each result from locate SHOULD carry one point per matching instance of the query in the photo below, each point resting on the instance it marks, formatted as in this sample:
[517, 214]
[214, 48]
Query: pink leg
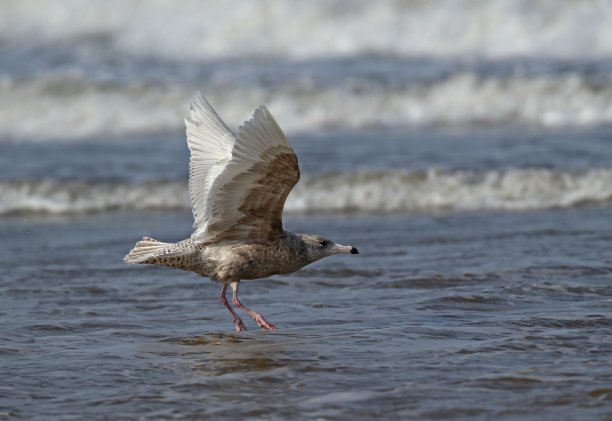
[263, 323]
[237, 320]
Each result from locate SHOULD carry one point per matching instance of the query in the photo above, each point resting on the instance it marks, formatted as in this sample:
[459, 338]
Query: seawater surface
[461, 316]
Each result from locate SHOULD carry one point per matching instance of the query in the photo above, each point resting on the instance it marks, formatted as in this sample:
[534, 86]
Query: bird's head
[315, 247]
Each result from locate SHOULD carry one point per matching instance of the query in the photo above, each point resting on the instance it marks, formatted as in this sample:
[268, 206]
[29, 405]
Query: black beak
[354, 251]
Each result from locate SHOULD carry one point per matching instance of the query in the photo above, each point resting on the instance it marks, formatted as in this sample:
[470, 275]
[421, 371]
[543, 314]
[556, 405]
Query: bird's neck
[300, 249]
[293, 240]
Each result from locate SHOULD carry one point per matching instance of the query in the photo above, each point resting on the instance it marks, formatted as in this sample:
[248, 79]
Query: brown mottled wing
[245, 201]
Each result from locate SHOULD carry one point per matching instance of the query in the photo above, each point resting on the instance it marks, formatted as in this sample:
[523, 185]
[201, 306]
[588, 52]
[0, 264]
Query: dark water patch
[336, 283]
[551, 271]
[554, 401]
[570, 291]
[211, 339]
[194, 387]
[51, 328]
[565, 323]
[500, 348]
[96, 290]
[454, 413]
[562, 292]
[109, 325]
[241, 365]
[516, 234]
[448, 334]
[475, 302]
[338, 272]
[153, 307]
[77, 328]
[604, 393]
[513, 383]
[277, 282]
[605, 291]
[441, 281]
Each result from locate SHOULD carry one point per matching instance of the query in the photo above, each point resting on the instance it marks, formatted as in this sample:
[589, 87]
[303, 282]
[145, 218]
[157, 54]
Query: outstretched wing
[240, 197]
[210, 143]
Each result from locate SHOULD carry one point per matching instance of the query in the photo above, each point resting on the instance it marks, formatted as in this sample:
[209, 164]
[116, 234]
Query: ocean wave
[362, 192]
[201, 30]
[64, 106]
[57, 198]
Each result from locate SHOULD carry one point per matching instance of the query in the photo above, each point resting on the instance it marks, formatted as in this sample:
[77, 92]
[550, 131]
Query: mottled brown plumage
[238, 186]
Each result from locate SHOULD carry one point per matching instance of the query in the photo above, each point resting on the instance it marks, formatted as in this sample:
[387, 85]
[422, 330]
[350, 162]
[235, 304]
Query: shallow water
[453, 316]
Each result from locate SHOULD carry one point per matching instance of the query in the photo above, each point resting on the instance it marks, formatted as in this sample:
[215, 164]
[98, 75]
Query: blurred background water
[462, 146]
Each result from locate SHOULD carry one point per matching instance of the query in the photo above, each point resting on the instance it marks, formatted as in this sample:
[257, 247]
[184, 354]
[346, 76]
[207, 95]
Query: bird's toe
[264, 324]
[240, 327]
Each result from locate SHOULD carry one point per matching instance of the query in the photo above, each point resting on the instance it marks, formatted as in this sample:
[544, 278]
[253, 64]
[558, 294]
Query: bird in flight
[238, 185]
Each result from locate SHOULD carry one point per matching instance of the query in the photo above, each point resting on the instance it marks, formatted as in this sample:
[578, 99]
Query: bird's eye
[323, 243]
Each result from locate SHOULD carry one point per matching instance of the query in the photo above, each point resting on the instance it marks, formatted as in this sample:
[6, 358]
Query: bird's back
[252, 260]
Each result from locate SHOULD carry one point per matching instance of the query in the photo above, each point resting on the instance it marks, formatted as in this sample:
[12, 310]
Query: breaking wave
[367, 192]
[195, 29]
[74, 69]
[68, 106]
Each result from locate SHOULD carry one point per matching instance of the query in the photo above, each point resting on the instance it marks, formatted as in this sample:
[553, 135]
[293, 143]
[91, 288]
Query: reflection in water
[219, 354]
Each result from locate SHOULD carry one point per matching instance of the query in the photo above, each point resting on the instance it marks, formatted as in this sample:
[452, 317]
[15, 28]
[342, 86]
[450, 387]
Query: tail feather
[146, 250]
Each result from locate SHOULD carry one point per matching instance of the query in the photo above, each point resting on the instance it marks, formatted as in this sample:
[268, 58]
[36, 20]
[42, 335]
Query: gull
[238, 185]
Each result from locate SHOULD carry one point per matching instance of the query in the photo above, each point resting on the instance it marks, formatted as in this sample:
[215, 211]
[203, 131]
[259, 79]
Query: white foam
[194, 29]
[56, 198]
[433, 191]
[367, 192]
[64, 106]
